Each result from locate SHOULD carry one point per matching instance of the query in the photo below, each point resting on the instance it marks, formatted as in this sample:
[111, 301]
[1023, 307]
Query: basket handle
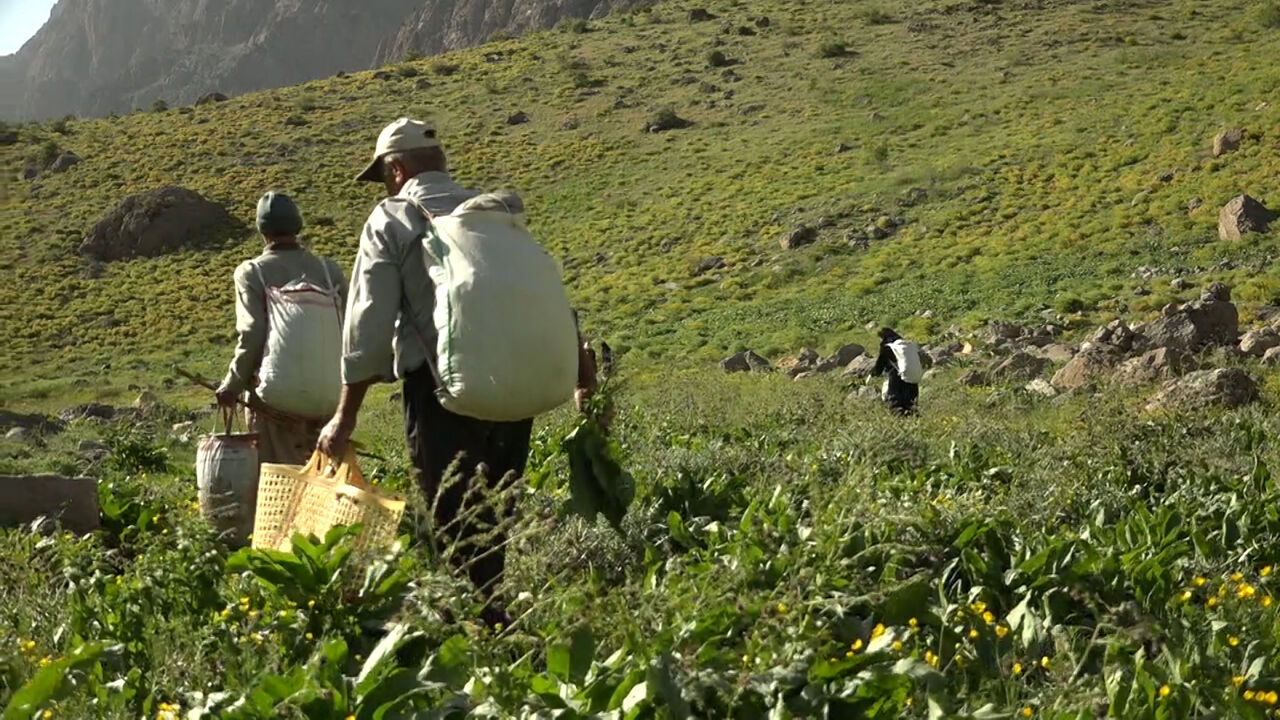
[345, 471]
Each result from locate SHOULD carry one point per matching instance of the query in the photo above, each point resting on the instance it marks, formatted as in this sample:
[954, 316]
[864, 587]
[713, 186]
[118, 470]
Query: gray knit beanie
[278, 216]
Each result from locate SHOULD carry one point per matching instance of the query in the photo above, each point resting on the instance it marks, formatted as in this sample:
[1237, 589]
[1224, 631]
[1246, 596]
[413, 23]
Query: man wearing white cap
[388, 332]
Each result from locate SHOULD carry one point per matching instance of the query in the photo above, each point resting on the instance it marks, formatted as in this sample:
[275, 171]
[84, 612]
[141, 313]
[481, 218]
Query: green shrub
[49, 151]
[876, 16]
[159, 106]
[1267, 14]
[715, 58]
[411, 56]
[445, 68]
[498, 36]
[407, 71]
[832, 49]
[575, 26]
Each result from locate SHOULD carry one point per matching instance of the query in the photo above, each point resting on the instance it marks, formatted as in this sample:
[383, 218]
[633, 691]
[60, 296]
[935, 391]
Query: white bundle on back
[506, 344]
[301, 372]
[907, 354]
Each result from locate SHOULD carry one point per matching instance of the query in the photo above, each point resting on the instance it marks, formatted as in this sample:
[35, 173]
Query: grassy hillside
[1036, 130]
[791, 552]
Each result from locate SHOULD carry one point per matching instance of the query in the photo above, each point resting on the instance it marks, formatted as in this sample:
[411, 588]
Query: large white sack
[506, 341]
[301, 372]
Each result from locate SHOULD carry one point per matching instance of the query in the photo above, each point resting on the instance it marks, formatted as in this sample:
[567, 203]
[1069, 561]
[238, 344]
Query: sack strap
[427, 350]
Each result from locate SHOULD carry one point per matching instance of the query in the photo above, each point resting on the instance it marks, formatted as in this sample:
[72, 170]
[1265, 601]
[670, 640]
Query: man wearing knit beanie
[284, 435]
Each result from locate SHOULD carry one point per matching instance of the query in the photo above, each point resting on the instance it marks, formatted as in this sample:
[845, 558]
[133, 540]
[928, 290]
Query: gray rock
[1257, 342]
[1223, 387]
[847, 354]
[697, 15]
[1041, 387]
[1194, 325]
[88, 410]
[860, 367]
[64, 162]
[706, 265]
[210, 98]
[1242, 216]
[973, 378]
[746, 361]
[1227, 141]
[1056, 353]
[1092, 363]
[518, 118]
[798, 237]
[18, 434]
[1159, 364]
[1272, 357]
[1179, 284]
[33, 421]
[1020, 366]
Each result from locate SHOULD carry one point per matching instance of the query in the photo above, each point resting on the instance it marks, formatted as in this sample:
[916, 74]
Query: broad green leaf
[49, 681]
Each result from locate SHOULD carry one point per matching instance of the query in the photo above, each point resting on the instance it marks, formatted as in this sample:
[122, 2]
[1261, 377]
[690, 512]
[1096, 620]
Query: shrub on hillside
[715, 58]
[444, 68]
[876, 16]
[159, 106]
[411, 56]
[498, 36]
[1267, 14]
[407, 71]
[49, 151]
[576, 26]
[832, 50]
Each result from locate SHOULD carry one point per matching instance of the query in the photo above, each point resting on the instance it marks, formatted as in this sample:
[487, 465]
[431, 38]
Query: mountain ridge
[94, 58]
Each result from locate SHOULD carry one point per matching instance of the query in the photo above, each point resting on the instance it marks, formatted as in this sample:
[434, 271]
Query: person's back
[284, 436]
[900, 360]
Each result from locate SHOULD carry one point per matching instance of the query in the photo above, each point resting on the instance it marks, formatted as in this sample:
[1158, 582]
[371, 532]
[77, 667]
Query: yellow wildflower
[308, 636]
[1271, 697]
[225, 612]
[857, 645]
[973, 634]
[1002, 631]
[1212, 601]
[45, 660]
[877, 631]
[312, 603]
[351, 717]
[1246, 591]
[1199, 582]
[1237, 681]
[1186, 595]
[931, 658]
[1237, 577]
[979, 607]
[897, 646]
[1017, 669]
[27, 646]
[1266, 601]
[1026, 711]
[746, 659]
[46, 715]
[1044, 662]
[988, 618]
[913, 623]
[1233, 641]
[253, 614]
[1248, 694]
[1265, 571]
[1164, 691]
[849, 654]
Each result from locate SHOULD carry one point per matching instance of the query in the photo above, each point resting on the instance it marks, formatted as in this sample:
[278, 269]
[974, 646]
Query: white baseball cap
[403, 134]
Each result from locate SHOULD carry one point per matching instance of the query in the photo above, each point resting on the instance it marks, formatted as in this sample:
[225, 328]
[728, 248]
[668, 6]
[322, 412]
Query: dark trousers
[902, 395]
[436, 439]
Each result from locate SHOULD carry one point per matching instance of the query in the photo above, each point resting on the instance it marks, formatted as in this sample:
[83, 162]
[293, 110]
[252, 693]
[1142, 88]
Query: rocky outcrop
[1211, 320]
[1159, 364]
[94, 57]
[156, 223]
[1224, 387]
[437, 26]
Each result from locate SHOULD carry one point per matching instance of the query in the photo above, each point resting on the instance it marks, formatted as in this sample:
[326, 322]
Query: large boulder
[798, 237]
[96, 411]
[1056, 353]
[38, 422]
[1159, 364]
[64, 162]
[1227, 141]
[72, 501]
[210, 98]
[746, 361]
[1272, 357]
[1210, 320]
[1257, 342]
[860, 367]
[846, 354]
[156, 223]
[1223, 387]
[1092, 363]
[1020, 366]
[1241, 216]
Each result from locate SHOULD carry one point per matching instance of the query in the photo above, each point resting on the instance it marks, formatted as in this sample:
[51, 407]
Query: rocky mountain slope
[96, 57]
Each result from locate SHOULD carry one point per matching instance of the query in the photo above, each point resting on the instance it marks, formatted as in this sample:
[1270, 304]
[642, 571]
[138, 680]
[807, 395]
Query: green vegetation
[788, 552]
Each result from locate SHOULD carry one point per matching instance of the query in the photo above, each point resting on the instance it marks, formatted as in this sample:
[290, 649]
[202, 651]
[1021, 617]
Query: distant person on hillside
[278, 365]
[390, 334]
[900, 360]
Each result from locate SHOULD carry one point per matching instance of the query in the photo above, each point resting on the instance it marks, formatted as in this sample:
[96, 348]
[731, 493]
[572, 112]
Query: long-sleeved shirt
[279, 265]
[389, 329]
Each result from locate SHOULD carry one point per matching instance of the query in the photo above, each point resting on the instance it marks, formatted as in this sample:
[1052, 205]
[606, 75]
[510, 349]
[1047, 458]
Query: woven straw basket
[316, 497]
